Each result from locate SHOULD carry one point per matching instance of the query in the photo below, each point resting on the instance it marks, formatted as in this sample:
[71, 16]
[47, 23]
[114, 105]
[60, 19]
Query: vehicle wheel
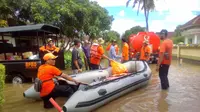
[18, 79]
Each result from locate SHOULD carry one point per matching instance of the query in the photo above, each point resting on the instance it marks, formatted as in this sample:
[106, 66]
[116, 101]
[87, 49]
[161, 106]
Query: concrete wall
[192, 53]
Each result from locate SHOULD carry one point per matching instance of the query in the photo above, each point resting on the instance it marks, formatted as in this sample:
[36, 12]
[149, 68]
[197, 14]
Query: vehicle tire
[18, 79]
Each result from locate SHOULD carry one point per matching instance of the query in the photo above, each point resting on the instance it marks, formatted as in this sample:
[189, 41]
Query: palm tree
[146, 5]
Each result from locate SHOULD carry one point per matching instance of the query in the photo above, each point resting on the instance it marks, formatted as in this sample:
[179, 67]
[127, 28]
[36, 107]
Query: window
[190, 41]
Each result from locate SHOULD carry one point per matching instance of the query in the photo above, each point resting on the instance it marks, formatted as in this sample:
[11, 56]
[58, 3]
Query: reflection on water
[182, 96]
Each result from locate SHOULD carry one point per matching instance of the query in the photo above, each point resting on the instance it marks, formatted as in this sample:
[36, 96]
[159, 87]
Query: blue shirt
[112, 52]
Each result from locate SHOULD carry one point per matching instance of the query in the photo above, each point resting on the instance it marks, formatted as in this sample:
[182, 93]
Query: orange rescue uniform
[96, 52]
[166, 47]
[108, 47]
[53, 48]
[145, 50]
[125, 52]
[116, 48]
[46, 73]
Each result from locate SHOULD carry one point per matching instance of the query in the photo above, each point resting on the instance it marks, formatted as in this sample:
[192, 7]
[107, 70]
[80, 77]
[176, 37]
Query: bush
[3, 23]
[177, 40]
[82, 54]
[2, 82]
[67, 58]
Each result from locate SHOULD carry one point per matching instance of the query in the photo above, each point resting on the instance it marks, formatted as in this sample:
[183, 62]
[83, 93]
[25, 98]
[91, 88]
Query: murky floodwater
[182, 96]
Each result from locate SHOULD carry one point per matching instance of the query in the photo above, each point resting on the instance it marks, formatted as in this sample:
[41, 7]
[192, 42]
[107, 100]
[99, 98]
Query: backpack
[38, 84]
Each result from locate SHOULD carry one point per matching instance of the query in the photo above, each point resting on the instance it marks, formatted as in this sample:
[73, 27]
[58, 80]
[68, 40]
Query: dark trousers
[87, 66]
[163, 73]
[59, 91]
[94, 67]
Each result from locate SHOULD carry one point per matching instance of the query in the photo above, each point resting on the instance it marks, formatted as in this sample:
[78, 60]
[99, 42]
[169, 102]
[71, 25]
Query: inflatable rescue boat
[103, 87]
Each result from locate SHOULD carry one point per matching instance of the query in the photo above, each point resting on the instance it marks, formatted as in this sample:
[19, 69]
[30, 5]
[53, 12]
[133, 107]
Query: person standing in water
[165, 58]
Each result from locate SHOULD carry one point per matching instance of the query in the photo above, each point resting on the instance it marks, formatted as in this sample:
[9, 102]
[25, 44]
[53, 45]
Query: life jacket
[95, 56]
[46, 47]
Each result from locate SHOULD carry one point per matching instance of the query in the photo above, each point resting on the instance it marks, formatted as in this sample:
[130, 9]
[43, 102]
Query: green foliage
[82, 54]
[177, 31]
[177, 40]
[111, 35]
[74, 17]
[67, 59]
[98, 20]
[16, 10]
[3, 23]
[133, 30]
[2, 82]
[177, 36]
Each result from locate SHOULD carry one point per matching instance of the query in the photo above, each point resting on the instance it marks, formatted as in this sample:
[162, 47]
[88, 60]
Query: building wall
[194, 39]
[192, 53]
[192, 36]
[198, 39]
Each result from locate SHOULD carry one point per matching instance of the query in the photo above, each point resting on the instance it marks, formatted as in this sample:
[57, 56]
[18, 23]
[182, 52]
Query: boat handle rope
[110, 81]
[106, 82]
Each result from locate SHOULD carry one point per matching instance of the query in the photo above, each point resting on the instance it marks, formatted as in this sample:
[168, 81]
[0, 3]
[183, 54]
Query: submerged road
[182, 96]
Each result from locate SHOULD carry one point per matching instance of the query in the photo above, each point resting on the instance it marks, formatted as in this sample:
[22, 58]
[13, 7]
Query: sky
[168, 14]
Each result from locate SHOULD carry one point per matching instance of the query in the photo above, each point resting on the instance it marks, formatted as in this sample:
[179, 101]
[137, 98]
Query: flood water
[182, 96]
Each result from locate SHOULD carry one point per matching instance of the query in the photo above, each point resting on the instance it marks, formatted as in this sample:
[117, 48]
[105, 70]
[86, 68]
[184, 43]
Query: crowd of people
[93, 53]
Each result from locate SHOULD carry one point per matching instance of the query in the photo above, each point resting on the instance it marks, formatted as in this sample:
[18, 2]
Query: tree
[15, 11]
[98, 20]
[178, 31]
[146, 5]
[133, 30]
[178, 38]
[111, 35]
[75, 18]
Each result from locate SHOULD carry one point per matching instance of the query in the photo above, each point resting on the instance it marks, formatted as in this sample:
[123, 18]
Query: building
[170, 34]
[191, 31]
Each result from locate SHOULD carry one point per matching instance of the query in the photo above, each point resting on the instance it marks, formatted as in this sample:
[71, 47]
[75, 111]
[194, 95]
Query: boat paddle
[53, 102]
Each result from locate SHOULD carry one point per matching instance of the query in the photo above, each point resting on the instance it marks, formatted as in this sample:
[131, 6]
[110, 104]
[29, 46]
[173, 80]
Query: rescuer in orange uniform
[125, 51]
[116, 48]
[165, 58]
[46, 73]
[145, 51]
[96, 53]
[50, 47]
